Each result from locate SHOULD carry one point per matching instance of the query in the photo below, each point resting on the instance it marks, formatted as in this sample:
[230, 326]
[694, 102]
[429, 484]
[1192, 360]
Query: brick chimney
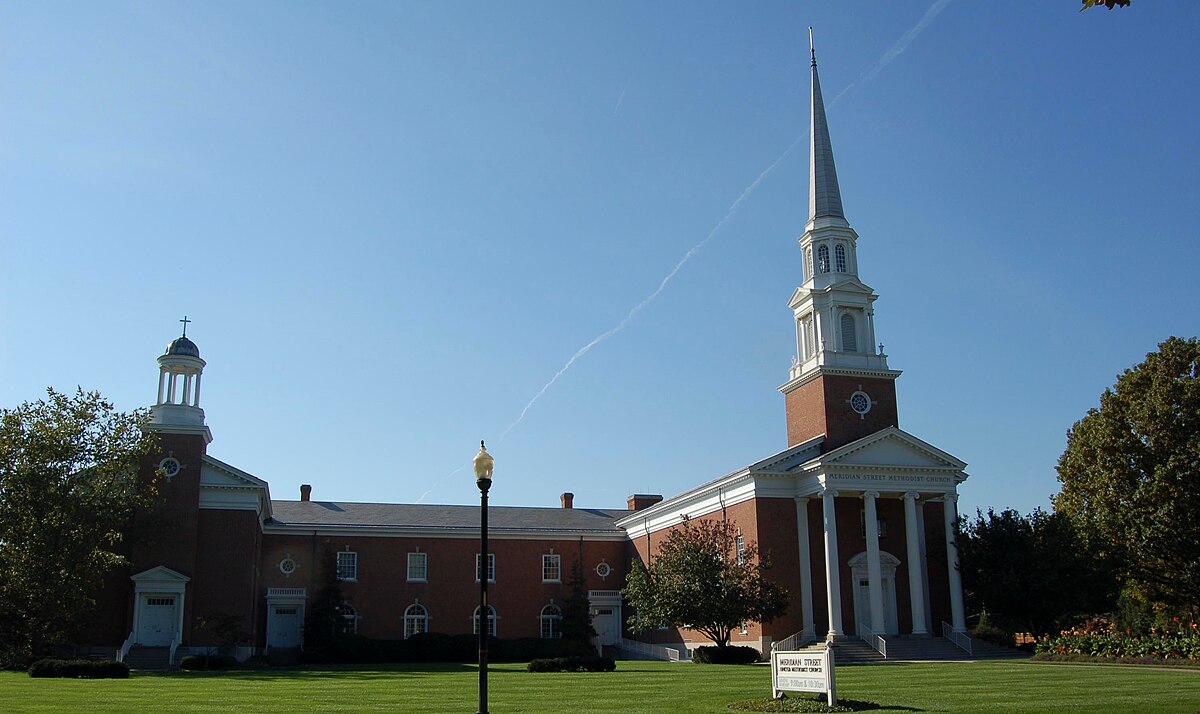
[305, 492]
[638, 501]
[568, 500]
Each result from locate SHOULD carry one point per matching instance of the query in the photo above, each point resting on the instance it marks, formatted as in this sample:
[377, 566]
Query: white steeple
[835, 329]
[177, 409]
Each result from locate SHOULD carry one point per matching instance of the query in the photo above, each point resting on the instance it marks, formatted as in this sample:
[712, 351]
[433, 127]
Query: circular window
[169, 467]
[860, 402]
[287, 566]
[604, 570]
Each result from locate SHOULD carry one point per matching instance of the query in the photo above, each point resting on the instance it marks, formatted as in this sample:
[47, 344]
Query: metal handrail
[793, 642]
[125, 647]
[875, 640]
[669, 654]
[958, 638]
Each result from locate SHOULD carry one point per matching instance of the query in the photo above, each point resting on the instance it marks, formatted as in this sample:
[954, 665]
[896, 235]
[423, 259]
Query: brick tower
[839, 385]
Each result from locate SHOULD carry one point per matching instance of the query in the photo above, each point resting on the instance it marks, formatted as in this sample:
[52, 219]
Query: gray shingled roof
[421, 516]
[824, 196]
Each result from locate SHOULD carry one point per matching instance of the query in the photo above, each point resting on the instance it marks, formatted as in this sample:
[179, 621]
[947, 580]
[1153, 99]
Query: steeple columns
[177, 409]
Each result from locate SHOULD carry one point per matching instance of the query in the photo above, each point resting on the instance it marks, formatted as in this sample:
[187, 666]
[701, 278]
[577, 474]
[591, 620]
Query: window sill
[556, 581]
[421, 580]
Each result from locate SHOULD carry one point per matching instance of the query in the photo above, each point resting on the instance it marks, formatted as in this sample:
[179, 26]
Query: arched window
[491, 621]
[416, 620]
[839, 254]
[849, 335]
[823, 259]
[551, 619]
[348, 619]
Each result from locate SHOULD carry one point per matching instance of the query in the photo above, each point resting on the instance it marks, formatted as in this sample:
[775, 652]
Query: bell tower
[839, 385]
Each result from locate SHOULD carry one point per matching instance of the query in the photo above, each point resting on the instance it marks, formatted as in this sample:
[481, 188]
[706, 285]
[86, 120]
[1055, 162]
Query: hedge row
[573, 664]
[79, 669]
[725, 655]
[202, 662]
[436, 647]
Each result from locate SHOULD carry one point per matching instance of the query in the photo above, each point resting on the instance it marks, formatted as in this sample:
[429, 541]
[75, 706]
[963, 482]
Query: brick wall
[822, 406]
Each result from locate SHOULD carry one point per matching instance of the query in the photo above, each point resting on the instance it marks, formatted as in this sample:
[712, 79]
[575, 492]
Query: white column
[834, 334]
[162, 382]
[916, 589]
[800, 356]
[196, 394]
[833, 587]
[806, 603]
[871, 349]
[171, 388]
[950, 511]
[187, 388]
[874, 576]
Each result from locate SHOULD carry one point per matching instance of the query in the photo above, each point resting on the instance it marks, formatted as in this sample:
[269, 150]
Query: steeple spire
[824, 197]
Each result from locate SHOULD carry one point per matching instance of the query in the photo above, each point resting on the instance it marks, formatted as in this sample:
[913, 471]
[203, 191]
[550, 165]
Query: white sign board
[804, 671]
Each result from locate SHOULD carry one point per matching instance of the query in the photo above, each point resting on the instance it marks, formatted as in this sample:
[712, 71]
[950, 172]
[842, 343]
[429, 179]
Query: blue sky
[393, 223]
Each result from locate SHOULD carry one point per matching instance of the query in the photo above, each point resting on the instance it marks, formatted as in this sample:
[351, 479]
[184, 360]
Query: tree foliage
[68, 489]
[1110, 4]
[700, 581]
[1131, 476]
[577, 610]
[1033, 571]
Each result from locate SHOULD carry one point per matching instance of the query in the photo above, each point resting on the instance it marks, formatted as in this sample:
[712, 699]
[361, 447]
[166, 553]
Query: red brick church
[856, 514]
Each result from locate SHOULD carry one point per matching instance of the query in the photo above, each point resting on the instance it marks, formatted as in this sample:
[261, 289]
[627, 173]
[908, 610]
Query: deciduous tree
[1131, 476]
[68, 489]
[1031, 572]
[700, 579]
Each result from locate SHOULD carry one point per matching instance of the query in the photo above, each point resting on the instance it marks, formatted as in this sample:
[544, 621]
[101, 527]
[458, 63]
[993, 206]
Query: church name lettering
[905, 479]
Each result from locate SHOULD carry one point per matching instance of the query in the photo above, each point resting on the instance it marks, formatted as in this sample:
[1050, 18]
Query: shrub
[203, 662]
[725, 655]
[573, 664]
[437, 647]
[1101, 638]
[79, 669]
[994, 635]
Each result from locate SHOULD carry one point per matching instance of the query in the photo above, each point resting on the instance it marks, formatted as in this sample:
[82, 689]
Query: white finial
[811, 47]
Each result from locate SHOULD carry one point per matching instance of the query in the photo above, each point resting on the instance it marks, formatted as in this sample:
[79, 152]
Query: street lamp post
[483, 478]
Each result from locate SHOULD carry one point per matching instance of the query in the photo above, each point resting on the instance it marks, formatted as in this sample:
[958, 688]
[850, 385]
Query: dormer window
[839, 254]
[823, 259]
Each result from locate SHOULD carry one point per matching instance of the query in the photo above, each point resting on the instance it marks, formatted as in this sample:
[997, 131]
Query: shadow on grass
[341, 672]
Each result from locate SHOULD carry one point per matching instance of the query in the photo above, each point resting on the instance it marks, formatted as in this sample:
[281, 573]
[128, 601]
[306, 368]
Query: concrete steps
[918, 649]
[148, 658]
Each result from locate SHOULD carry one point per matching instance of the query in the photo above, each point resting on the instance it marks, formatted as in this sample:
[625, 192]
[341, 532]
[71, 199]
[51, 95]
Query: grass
[634, 687]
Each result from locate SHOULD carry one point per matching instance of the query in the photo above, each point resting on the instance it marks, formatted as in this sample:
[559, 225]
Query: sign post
[804, 671]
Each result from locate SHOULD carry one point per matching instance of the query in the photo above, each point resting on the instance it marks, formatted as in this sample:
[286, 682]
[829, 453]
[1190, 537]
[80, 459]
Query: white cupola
[177, 408]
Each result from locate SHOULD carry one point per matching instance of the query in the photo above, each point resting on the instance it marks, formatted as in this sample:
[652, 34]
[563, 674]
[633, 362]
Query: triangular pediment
[214, 472]
[894, 448]
[159, 574]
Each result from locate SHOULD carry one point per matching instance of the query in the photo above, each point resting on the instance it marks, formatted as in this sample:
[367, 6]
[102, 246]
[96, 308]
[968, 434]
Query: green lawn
[634, 687]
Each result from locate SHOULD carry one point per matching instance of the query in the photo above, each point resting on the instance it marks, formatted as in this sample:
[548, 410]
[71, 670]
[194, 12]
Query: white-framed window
[839, 254]
[740, 545]
[552, 568]
[823, 259]
[849, 333]
[745, 628]
[347, 565]
[491, 572]
[416, 620]
[418, 567]
[491, 621]
[551, 621]
[349, 619]
[880, 524]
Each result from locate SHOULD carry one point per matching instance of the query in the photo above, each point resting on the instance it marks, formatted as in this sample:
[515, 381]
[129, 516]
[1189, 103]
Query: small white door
[604, 621]
[862, 605]
[283, 625]
[156, 620]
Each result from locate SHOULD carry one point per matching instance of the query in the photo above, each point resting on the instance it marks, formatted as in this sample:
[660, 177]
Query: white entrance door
[156, 620]
[604, 620]
[862, 605]
[283, 625]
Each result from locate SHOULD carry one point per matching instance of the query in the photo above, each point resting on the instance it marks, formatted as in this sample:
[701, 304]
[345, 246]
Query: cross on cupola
[185, 322]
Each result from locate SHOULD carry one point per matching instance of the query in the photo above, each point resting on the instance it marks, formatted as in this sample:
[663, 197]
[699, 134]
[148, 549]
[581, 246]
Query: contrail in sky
[621, 98]
[869, 74]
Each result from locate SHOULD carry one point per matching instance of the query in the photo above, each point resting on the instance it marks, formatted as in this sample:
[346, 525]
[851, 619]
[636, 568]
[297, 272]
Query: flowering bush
[1101, 638]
